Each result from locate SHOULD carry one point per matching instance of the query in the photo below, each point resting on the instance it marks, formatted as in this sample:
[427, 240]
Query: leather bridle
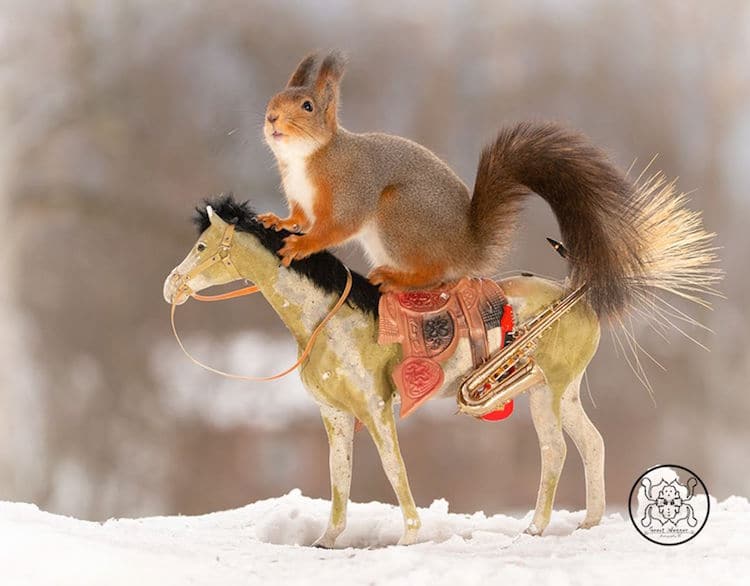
[223, 255]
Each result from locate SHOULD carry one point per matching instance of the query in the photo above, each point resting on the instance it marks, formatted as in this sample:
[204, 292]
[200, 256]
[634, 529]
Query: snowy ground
[266, 543]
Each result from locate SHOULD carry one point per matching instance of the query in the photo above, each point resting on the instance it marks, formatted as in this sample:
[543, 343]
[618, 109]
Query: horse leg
[340, 429]
[548, 427]
[590, 445]
[382, 428]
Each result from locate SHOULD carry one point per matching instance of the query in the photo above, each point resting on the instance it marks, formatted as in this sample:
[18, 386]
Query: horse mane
[323, 269]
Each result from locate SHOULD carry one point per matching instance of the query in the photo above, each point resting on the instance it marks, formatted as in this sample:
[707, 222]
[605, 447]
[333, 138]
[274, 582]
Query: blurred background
[117, 118]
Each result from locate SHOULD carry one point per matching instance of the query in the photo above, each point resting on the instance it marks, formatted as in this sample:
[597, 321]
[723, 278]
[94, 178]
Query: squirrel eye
[201, 247]
[307, 105]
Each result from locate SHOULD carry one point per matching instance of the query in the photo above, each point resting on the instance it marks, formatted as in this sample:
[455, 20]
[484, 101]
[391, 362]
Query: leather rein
[223, 255]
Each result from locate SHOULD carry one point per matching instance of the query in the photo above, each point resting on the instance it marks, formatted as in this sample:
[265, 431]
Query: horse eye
[201, 247]
[307, 105]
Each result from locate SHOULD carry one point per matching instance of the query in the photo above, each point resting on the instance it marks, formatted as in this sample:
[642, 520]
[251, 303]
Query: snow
[266, 543]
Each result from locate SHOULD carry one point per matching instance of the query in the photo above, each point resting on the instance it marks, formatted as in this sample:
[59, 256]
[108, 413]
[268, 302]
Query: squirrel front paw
[270, 220]
[296, 247]
[290, 224]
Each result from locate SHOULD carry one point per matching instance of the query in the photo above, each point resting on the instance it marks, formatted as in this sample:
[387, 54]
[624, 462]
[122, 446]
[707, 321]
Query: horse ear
[302, 75]
[214, 218]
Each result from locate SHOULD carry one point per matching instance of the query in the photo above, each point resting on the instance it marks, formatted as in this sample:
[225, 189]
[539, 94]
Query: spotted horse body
[349, 374]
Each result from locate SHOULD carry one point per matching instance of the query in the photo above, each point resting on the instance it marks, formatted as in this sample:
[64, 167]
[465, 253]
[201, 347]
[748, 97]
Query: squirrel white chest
[298, 187]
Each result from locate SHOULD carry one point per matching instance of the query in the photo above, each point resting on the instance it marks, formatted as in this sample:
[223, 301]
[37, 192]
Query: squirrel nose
[272, 118]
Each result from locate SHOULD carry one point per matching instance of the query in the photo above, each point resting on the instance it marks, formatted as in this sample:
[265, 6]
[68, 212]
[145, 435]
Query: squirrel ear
[327, 85]
[331, 72]
[302, 75]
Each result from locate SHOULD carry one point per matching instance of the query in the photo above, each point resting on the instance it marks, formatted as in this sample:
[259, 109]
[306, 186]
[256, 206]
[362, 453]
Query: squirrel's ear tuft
[331, 72]
[327, 85]
[302, 76]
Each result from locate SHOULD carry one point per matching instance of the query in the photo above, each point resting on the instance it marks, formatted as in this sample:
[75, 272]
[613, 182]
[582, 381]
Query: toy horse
[349, 373]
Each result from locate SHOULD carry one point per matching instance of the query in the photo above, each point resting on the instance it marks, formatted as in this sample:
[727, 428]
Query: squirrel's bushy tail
[622, 239]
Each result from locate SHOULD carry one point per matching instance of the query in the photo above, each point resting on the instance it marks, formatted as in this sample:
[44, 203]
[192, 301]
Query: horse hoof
[324, 542]
[408, 538]
[589, 523]
[533, 530]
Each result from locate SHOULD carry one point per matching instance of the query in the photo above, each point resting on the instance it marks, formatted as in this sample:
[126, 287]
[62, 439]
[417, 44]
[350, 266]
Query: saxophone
[513, 370]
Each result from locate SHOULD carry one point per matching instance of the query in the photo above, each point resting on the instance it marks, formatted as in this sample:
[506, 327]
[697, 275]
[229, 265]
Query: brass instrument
[512, 370]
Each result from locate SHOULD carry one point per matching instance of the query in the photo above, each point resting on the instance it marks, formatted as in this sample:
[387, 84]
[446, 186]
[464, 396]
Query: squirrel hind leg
[392, 279]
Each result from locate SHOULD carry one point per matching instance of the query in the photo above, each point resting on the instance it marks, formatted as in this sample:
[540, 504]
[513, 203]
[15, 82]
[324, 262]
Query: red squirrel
[417, 221]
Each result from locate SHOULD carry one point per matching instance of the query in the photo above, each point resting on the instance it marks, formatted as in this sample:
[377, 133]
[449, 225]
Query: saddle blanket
[429, 324]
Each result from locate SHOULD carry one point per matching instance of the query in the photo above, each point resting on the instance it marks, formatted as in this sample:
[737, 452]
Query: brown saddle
[429, 324]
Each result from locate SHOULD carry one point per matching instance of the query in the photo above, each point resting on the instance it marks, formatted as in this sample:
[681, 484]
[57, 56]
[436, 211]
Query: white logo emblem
[671, 505]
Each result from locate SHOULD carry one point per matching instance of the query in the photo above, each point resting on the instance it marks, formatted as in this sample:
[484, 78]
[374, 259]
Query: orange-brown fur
[324, 233]
[417, 220]
[390, 279]
[345, 186]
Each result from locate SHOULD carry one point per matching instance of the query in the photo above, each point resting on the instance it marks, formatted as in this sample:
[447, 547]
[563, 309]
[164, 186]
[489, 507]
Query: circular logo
[669, 504]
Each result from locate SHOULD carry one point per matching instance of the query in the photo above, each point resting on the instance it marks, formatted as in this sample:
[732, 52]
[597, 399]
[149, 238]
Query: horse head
[208, 263]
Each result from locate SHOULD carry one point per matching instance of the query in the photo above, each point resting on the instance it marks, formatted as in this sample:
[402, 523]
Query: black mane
[323, 269]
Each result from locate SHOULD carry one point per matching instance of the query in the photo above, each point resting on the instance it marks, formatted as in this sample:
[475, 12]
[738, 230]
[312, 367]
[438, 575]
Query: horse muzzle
[176, 289]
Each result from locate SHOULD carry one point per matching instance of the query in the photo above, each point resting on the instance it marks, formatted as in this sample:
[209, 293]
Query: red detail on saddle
[506, 322]
[506, 325]
[422, 300]
[420, 377]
